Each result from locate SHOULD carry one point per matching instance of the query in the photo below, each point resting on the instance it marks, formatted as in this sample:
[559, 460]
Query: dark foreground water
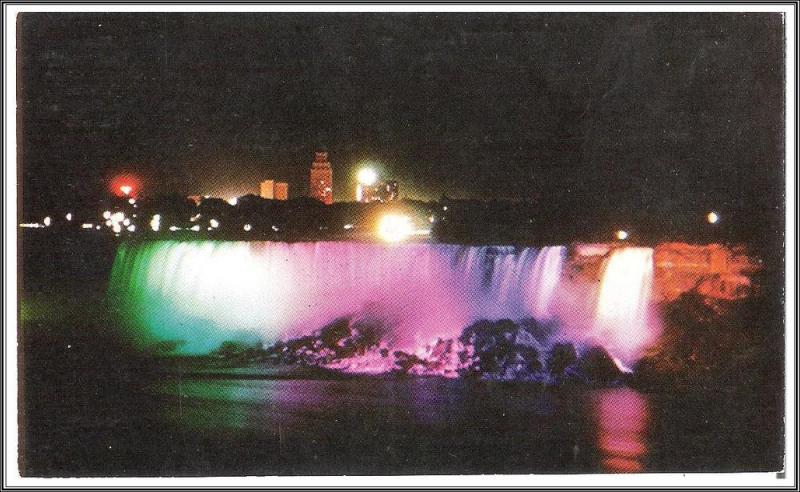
[176, 425]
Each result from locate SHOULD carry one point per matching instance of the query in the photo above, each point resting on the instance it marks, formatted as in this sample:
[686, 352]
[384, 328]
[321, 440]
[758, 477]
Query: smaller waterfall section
[622, 315]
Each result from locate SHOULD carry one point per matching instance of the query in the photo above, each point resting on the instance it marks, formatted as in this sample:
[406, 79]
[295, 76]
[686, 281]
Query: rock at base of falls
[501, 350]
[506, 351]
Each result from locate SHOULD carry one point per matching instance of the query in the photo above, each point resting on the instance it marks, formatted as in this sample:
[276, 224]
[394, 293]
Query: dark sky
[653, 112]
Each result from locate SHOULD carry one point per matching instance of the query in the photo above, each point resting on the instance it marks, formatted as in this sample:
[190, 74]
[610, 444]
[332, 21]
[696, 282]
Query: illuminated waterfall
[201, 293]
[546, 276]
[621, 319]
[494, 279]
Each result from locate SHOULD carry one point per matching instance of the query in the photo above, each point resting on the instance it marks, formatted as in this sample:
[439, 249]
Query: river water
[176, 425]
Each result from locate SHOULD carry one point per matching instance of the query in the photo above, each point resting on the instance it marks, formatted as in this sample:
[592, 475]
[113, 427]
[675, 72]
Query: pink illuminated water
[621, 417]
[205, 292]
[547, 271]
[623, 320]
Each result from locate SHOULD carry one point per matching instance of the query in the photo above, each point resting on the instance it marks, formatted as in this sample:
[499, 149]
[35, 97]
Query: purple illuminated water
[206, 292]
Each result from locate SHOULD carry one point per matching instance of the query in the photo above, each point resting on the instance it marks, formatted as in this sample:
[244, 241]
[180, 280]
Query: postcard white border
[11, 476]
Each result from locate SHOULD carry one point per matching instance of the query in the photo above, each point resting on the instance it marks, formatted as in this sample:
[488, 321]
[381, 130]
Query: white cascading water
[622, 322]
[206, 292]
[203, 293]
[547, 275]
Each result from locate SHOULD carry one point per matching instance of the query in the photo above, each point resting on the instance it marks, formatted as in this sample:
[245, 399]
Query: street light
[367, 176]
[394, 228]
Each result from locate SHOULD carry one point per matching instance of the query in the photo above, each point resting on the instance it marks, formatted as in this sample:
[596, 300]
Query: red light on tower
[125, 186]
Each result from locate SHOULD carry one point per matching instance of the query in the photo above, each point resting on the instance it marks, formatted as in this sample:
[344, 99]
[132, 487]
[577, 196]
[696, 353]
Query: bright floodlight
[622, 235]
[125, 189]
[155, 222]
[248, 227]
[393, 228]
[712, 217]
[233, 201]
[213, 223]
[47, 221]
[367, 176]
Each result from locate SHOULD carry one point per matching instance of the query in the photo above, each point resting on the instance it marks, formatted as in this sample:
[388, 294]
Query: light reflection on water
[240, 404]
[614, 421]
[621, 418]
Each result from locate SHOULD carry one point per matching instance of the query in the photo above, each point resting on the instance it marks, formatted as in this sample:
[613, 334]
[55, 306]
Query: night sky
[655, 112]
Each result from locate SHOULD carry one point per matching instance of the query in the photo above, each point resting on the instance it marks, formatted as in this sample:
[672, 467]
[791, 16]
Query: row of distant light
[155, 225]
[391, 227]
[117, 220]
[48, 221]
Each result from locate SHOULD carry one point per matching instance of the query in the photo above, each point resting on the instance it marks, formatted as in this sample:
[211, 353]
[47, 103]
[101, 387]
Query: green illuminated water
[197, 294]
[189, 297]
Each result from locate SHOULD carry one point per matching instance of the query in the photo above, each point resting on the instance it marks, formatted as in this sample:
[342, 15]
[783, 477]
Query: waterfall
[200, 293]
[621, 319]
[545, 278]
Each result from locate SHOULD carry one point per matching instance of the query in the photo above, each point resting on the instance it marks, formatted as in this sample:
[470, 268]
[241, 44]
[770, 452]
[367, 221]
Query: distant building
[267, 189]
[281, 191]
[321, 185]
[392, 191]
[366, 193]
[382, 191]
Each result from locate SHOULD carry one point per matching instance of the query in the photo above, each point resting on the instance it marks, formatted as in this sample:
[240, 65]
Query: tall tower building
[321, 186]
[267, 189]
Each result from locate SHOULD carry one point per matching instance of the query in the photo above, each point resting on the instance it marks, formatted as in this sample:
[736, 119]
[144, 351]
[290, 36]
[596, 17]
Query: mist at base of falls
[194, 295]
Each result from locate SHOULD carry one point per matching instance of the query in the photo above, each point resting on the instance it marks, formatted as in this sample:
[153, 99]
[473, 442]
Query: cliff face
[714, 271]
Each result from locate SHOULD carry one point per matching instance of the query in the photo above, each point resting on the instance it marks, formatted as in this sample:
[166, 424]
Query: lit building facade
[391, 191]
[365, 193]
[382, 191]
[267, 189]
[321, 184]
[281, 191]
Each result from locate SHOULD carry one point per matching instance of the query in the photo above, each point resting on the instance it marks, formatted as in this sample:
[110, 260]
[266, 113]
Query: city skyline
[618, 112]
